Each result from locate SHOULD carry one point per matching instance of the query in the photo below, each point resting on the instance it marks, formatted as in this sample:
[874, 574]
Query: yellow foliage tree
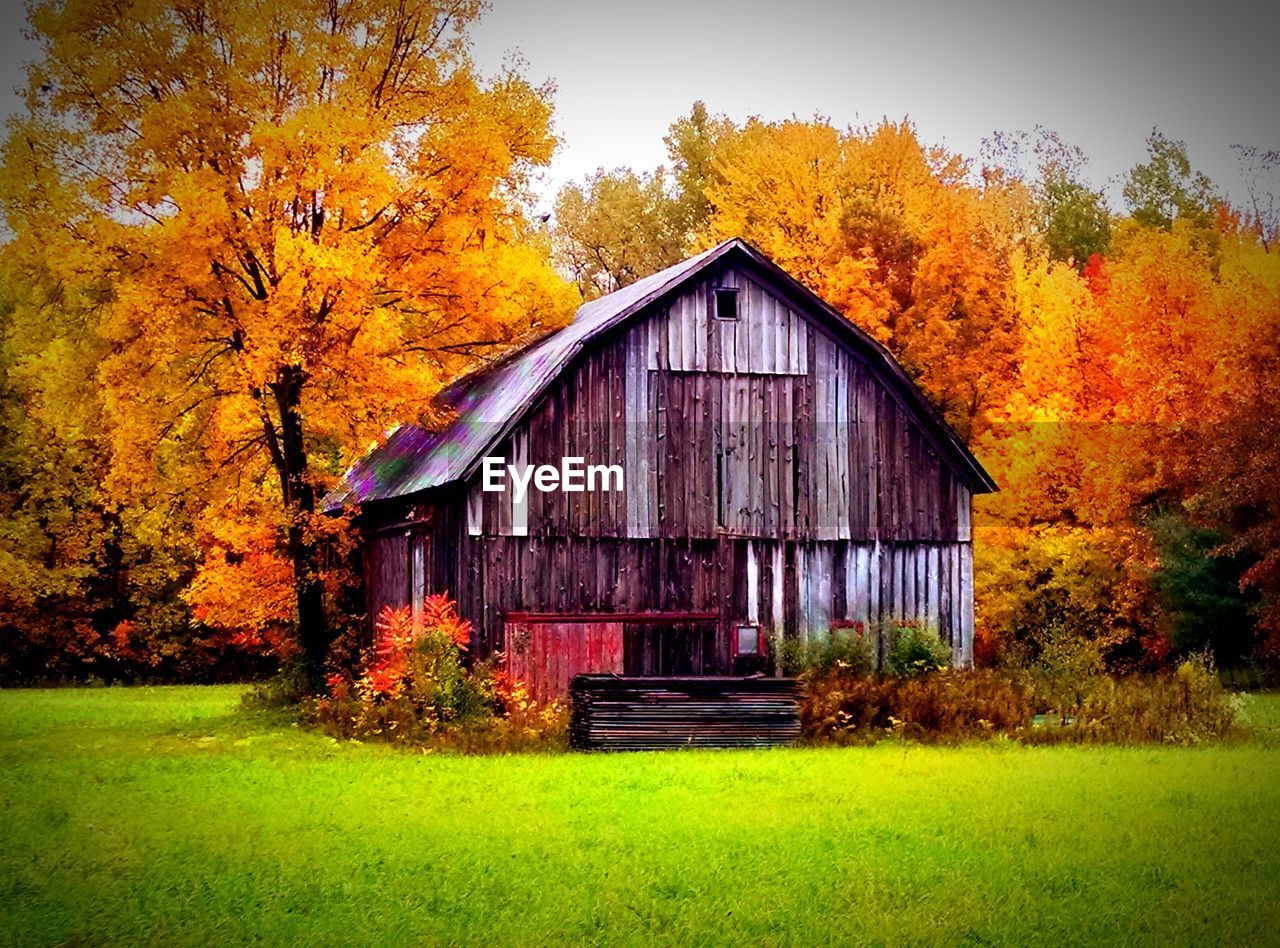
[86, 578]
[890, 232]
[615, 228]
[311, 217]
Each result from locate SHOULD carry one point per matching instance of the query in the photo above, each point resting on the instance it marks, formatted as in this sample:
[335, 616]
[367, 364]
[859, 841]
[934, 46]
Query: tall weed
[1187, 706]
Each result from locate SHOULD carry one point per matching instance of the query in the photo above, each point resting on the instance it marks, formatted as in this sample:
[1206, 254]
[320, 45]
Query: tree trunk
[313, 626]
[290, 456]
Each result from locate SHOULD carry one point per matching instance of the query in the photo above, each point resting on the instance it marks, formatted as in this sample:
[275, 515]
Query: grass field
[169, 815]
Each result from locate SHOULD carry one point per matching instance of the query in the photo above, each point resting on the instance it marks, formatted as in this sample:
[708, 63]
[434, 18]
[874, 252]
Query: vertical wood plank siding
[756, 437]
[548, 655]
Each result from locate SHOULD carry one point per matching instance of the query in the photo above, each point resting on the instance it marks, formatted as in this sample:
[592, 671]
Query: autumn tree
[1260, 169]
[1166, 187]
[1143, 424]
[1077, 224]
[311, 215]
[616, 227]
[893, 233]
[88, 581]
[1231, 477]
[691, 142]
[1068, 216]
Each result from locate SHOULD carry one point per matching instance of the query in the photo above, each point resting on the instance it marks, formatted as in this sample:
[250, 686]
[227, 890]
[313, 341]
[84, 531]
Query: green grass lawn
[169, 815]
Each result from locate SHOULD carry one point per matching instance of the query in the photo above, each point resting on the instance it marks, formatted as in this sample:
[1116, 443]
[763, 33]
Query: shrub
[915, 649]
[1186, 706]
[844, 708]
[847, 649]
[1198, 581]
[1251, 677]
[958, 703]
[1064, 671]
[415, 687]
[912, 649]
[287, 688]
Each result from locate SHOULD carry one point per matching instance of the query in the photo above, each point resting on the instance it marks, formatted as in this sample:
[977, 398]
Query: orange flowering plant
[399, 632]
[415, 685]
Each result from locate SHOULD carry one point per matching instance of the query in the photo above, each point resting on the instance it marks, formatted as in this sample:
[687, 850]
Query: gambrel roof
[490, 403]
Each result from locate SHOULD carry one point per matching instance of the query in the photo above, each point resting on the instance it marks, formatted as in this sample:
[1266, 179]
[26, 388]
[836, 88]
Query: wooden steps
[612, 712]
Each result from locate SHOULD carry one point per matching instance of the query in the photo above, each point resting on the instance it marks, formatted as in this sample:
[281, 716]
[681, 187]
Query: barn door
[387, 573]
[545, 655]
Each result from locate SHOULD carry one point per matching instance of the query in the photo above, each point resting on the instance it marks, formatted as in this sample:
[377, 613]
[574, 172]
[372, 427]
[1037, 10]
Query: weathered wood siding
[771, 476]
[762, 426]
[799, 589]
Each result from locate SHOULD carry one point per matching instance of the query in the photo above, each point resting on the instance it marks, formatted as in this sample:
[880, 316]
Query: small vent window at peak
[726, 302]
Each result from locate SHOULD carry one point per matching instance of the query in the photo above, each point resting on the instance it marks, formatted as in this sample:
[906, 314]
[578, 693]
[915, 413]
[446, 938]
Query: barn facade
[781, 477]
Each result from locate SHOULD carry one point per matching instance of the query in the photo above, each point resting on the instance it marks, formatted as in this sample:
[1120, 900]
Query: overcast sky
[1100, 73]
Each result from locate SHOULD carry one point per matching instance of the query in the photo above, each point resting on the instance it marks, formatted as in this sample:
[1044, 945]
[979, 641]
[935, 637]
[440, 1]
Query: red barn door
[547, 653]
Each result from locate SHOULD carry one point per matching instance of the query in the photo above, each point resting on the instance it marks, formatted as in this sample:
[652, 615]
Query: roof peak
[490, 402]
[674, 271]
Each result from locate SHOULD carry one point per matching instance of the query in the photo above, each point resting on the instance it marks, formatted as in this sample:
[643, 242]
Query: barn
[760, 469]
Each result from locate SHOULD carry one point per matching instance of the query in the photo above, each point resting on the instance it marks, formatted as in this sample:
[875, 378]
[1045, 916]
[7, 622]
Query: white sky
[1100, 73]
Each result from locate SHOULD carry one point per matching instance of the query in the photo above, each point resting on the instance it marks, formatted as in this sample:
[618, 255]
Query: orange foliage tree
[1145, 384]
[308, 216]
[891, 232]
[1107, 368]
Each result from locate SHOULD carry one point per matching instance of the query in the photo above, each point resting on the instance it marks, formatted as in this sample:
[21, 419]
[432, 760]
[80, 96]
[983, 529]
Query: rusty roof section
[489, 403]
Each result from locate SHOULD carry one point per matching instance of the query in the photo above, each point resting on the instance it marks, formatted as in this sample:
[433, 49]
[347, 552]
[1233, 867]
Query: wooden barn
[780, 474]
